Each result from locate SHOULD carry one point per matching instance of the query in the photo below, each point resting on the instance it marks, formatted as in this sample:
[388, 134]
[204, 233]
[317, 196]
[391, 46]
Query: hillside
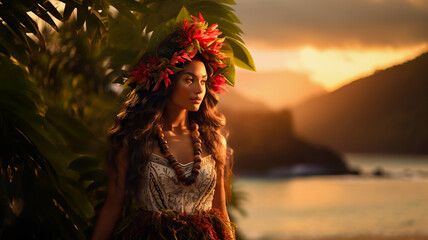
[386, 112]
[264, 143]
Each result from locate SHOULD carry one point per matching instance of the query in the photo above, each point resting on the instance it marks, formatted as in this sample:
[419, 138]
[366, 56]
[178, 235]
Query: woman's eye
[189, 80]
[204, 81]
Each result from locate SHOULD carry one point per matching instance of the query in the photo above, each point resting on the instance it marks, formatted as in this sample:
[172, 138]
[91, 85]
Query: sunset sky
[304, 47]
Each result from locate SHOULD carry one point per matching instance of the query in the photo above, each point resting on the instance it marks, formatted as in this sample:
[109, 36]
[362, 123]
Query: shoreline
[352, 238]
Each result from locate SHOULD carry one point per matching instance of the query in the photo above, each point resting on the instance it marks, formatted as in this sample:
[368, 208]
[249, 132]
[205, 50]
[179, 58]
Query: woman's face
[190, 88]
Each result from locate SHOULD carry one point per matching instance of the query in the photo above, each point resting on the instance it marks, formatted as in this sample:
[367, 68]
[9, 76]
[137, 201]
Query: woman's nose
[199, 87]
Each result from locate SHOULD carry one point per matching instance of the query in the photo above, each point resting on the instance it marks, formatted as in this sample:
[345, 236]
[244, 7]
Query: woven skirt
[170, 224]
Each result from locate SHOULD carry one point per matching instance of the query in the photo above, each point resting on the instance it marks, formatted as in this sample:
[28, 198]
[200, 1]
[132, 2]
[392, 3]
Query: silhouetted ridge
[386, 112]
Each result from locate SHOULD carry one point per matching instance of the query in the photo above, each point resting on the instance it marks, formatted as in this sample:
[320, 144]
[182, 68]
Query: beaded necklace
[197, 151]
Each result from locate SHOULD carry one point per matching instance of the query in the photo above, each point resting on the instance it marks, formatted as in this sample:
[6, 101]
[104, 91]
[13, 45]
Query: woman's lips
[196, 100]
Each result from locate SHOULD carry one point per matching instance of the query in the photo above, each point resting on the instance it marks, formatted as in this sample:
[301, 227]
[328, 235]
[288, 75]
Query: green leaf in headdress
[241, 56]
[197, 45]
[230, 75]
[182, 15]
[175, 69]
[164, 29]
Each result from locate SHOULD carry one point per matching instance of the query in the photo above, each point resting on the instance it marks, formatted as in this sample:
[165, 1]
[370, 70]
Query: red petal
[174, 59]
[185, 24]
[167, 82]
[169, 71]
[185, 56]
[212, 27]
[194, 19]
[156, 87]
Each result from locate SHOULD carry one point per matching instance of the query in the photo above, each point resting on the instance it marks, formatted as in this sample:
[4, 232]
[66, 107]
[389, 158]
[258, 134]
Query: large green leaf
[84, 163]
[230, 75]
[96, 174]
[37, 162]
[78, 136]
[51, 9]
[74, 194]
[241, 56]
[163, 30]
[97, 185]
[68, 10]
[214, 9]
[130, 5]
[14, 78]
[14, 25]
[26, 20]
[10, 48]
[40, 12]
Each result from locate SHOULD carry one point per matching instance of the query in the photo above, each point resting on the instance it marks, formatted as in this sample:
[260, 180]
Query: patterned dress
[171, 210]
[160, 188]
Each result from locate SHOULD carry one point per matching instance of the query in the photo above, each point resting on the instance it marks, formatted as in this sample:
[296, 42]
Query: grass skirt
[170, 224]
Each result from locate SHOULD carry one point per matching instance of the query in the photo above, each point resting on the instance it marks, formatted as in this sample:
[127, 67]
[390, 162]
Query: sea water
[394, 204]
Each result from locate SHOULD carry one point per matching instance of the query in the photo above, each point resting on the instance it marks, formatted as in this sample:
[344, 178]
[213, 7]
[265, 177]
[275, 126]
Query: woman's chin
[193, 108]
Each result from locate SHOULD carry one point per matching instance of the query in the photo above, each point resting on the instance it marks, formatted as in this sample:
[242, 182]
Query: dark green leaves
[56, 101]
[32, 166]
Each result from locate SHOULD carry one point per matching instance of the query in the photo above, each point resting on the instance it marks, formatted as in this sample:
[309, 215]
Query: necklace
[197, 151]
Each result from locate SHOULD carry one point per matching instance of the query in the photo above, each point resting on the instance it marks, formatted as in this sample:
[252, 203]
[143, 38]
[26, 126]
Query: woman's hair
[141, 115]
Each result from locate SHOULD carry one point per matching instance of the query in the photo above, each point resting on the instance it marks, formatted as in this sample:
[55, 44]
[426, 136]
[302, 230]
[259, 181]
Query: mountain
[264, 142]
[386, 112]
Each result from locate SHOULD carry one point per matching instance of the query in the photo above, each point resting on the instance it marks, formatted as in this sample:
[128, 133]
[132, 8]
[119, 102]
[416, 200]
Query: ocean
[392, 204]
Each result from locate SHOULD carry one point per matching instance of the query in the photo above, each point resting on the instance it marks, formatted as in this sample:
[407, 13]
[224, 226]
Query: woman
[168, 155]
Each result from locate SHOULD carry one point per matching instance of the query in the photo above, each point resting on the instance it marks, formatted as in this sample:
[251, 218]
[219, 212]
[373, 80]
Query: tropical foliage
[58, 60]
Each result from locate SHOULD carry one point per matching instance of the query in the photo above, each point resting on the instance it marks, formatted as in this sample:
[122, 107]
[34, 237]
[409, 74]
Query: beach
[357, 238]
[363, 207]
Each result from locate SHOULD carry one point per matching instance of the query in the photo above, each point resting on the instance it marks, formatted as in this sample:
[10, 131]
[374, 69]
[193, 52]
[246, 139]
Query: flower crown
[189, 40]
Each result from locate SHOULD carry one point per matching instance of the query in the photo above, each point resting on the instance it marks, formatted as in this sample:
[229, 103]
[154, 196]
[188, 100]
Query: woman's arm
[219, 200]
[112, 209]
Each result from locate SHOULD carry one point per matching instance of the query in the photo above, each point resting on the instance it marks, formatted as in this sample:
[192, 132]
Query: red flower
[209, 36]
[163, 76]
[196, 30]
[216, 64]
[217, 83]
[180, 58]
[142, 73]
[193, 36]
[201, 19]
